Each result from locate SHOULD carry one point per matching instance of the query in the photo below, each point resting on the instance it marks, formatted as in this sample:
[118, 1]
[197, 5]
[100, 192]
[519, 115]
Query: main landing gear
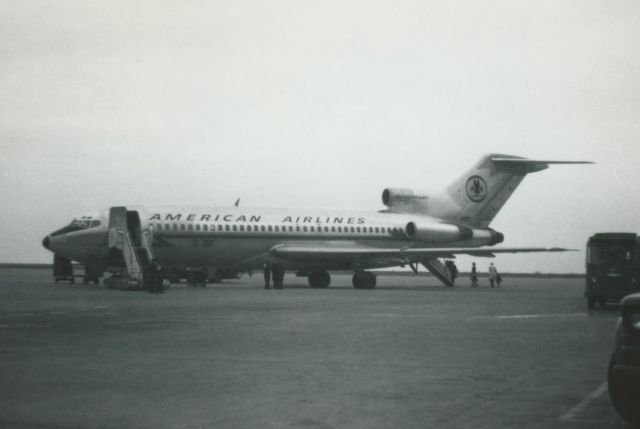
[364, 280]
[319, 279]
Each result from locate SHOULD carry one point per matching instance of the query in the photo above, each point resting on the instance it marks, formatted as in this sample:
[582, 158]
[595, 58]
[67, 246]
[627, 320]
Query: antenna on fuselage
[237, 203]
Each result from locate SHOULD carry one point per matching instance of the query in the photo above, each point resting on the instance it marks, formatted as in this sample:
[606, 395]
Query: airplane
[414, 228]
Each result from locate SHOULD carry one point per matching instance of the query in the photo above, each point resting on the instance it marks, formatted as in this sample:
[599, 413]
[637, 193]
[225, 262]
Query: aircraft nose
[46, 242]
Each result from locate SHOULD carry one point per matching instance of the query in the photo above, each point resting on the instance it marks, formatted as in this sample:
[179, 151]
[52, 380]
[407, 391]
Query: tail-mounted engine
[442, 232]
[405, 199]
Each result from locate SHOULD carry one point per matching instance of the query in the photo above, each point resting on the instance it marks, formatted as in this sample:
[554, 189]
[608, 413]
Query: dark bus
[613, 267]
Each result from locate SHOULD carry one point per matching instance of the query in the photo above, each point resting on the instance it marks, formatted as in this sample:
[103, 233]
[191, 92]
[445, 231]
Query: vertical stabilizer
[477, 196]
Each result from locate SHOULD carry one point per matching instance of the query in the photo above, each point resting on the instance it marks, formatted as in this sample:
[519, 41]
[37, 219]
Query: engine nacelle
[404, 197]
[442, 232]
[487, 236]
[437, 232]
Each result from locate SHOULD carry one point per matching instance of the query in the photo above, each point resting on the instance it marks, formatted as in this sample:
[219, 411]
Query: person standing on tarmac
[453, 270]
[155, 279]
[493, 274]
[474, 275]
[267, 275]
[278, 276]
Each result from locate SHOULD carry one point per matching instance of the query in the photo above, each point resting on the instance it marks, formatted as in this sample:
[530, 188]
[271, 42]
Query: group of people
[494, 277]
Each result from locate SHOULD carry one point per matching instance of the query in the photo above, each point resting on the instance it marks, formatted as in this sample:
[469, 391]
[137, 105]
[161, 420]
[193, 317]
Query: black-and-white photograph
[319, 214]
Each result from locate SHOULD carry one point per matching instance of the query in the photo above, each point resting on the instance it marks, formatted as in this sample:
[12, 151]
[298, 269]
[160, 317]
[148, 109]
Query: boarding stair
[137, 259]
[132, 260]
[439, 270]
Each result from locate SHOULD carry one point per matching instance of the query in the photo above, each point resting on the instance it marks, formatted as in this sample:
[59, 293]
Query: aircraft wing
[316, 253]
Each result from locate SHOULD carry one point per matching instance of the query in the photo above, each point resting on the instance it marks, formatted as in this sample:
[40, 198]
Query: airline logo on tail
[476, 188]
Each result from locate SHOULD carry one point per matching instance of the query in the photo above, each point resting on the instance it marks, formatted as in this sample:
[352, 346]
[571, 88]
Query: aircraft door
[117, 226]
[135, 227]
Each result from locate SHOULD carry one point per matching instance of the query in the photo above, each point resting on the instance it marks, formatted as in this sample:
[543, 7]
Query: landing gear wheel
[364, 280]
[625, 402]
[319, 279]
[591, 303]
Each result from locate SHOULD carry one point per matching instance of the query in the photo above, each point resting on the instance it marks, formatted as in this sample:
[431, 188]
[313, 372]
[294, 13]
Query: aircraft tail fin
[477, 196]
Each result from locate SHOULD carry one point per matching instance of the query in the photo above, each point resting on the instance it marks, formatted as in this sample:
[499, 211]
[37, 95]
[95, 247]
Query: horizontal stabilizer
[523, 161]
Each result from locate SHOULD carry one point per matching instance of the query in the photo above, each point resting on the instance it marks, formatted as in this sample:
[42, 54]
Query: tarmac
[409, 354]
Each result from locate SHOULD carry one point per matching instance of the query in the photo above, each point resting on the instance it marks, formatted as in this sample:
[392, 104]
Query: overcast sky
[318, 104]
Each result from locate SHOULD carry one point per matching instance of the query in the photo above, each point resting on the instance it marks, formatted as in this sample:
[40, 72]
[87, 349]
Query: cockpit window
[78, 224]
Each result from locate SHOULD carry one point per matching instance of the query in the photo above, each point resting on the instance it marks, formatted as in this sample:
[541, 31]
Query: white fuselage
[241, 238]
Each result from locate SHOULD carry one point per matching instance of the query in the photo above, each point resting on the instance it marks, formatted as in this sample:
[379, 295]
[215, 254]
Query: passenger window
[358, 229]
[290, 228]
[339, 229]
[182, 227]
[311, 229]
[326, 229]
[190, 227]
[371, 229]
[226, 228]
[262, 228]
[205, 228]
[277, 228]
[242, 228]
[234, 227]
[304, 229]
[352, 229]
[198, 227]
[377, 229]
[269, 228]
[298, 228]
[333, 229]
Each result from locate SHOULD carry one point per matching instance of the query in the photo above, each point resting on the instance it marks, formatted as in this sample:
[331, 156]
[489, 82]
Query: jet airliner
[414, 228]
